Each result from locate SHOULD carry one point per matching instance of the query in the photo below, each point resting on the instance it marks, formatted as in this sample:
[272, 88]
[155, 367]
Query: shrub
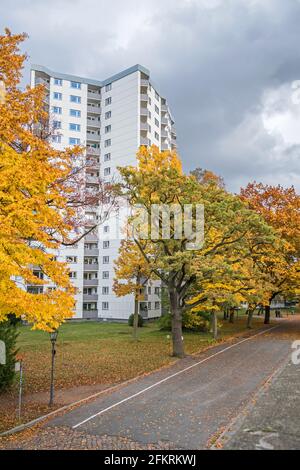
[140, 320]
[8, 334]
[190, 321]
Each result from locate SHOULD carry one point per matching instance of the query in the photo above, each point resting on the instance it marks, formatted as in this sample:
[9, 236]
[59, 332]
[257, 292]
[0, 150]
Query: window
[157, 96]
[75, 99]
[74, 141]
[58, 81]
[90, 306]
[35, 289]
[76, 85]
[57, 124]
[57, 96]
[157, 122]
[105, 259]
[75, 113]
[149, 305]
[107, 129]
[107, 143]
[150, 101]
[106, 244]
[149, 290]
[56, 139]
[107, 171]
[107, 157]
[56, 109]
[157, 290]
[108, 87]
[38, 274]
[156, 136]
[105, 305]
[157, 109]
[71, 259]
[74, 127]
[105, 275]
[108, 115]
[105, 290]
[106, 228]
[72, 274]
[157, 305]
[107, 101]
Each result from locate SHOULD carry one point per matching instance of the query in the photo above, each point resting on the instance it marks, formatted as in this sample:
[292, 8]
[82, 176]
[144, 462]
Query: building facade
[112, 119]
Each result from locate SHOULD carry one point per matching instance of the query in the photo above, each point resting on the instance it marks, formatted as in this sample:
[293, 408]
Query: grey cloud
[213, 60]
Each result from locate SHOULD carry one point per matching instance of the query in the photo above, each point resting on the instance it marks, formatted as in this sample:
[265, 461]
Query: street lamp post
[53, 338]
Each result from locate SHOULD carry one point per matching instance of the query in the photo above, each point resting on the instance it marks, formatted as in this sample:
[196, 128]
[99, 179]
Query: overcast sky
[227, 68]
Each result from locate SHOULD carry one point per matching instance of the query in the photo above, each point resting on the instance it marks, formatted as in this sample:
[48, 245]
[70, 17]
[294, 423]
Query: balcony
[164, 134]
[93, 136]
[164, 108]
[144, 126]
[91, 238]
[93, 164]
[164, 121]
[90, 267]
[42, 81]
[93, 109]
[144, 82]
[165, 146]
[144, 111]
[93, 122]
[90, 298]
[90, 314]
[91, 252]
[144, 97]
[94, 95]
[144, 141]
[90, 282]
[92, 151]
[92, 180]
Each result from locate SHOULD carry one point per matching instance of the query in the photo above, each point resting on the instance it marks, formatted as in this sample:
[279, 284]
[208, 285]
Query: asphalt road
[187, 405]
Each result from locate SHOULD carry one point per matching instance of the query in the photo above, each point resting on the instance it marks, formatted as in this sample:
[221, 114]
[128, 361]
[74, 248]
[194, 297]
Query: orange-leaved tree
[280, 207]
[131, 275]
[34, 213]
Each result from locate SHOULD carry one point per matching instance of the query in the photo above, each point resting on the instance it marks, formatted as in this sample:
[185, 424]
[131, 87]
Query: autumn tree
[34, 213]
[131, 275]
[280, 266]
[181, 264]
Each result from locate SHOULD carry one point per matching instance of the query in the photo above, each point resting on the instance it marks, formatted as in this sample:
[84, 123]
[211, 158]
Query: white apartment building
[112, 119]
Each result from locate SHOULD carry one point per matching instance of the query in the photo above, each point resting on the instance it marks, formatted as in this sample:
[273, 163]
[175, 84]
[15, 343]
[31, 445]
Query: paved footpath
[185, 406]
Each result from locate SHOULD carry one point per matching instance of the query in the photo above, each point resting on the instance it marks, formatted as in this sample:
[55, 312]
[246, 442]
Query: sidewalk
[272, 421]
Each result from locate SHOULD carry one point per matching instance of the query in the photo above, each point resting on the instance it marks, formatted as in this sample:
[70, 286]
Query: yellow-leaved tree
[34, 213]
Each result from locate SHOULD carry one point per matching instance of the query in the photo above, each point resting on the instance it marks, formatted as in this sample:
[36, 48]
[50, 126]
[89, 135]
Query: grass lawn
[91, 353]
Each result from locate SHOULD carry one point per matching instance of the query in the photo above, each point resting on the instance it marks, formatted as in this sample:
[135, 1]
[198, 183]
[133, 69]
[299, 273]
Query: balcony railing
[90, 282]
[41, 81]
[91, 314]
[164, 146]
[144, 97]
[90, 298]
[90, 267]
[144, 141]
[144, 111]
[144, 82]
[94, 109]
[91, 252]
[93, 136]
[93, 123]
[144, 126]
[94, 95]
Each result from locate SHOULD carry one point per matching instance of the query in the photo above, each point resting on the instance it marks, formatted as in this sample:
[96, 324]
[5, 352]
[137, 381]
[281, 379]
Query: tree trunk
[267, 314]
[136, 311]
[136, 318]
[249, 319]
[225, 314]
[176, 313]
[214, 323]
[231, 317]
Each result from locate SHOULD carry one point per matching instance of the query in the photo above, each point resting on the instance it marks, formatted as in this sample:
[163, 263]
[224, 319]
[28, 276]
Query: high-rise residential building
[112, 119]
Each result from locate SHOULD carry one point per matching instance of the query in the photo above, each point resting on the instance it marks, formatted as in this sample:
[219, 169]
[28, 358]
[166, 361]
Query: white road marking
[156, 384]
